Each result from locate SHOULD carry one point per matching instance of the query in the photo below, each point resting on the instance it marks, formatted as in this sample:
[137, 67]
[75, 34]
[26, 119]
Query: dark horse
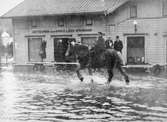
[86, 58]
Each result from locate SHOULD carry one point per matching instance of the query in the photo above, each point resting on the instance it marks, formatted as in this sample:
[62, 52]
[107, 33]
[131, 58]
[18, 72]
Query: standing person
[118, 45]
[42, 52]
[109, 43]
[60, 50]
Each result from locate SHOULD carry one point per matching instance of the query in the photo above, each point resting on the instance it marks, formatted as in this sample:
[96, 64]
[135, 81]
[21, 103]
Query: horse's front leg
[79, 75]
[90, 74]
[110, 75]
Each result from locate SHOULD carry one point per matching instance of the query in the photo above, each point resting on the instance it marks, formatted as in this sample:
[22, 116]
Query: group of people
[108, 44]
[101, 45]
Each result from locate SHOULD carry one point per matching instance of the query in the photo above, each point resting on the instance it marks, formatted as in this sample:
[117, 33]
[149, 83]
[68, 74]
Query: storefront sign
[62, 31]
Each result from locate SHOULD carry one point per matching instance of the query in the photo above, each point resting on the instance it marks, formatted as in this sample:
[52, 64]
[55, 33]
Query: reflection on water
[60, 97]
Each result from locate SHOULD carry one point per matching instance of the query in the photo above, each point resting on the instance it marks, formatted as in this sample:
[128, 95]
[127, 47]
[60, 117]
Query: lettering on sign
[62, 31]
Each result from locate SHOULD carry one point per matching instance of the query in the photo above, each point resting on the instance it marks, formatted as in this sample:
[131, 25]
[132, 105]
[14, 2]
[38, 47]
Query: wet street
[59, 97]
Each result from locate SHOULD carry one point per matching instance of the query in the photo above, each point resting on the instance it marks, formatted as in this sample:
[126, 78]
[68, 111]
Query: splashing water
[60, 97]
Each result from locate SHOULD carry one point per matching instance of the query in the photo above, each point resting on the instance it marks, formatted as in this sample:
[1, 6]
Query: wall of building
[151, 24]
[48, 29]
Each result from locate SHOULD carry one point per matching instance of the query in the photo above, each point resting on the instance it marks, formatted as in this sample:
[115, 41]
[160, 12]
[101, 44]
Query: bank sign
[62, 31]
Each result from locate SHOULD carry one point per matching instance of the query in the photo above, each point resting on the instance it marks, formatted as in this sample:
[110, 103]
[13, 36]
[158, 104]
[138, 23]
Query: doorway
[34, 46]
[136, 50]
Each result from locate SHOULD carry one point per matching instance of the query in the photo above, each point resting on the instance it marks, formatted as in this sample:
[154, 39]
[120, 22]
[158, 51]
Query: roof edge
[81, 13]
[3, 16]
[111, 11]
[105, 11]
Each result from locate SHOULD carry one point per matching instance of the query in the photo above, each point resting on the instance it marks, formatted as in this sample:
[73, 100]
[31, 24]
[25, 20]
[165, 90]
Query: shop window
[133, 11]
[89, 21]
[135, 50]
[34, 46]
[61, 22]
[164, 7]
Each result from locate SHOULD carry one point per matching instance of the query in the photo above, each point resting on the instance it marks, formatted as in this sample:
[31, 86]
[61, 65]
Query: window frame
[61, 21]
[89, 21]
[35, 22]
[29, 39]
[163, 8]
[133, 7]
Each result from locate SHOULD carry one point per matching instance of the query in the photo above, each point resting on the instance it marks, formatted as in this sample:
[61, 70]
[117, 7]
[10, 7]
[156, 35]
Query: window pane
[34, 45]
[61, 22]
[90, 41]
[165, 7]
[75, 20]
[35, 22]
[133, 11]
[89, 21]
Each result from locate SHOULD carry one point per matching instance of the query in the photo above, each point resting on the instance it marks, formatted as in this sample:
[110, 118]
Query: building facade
[141, 25]
[30, 32]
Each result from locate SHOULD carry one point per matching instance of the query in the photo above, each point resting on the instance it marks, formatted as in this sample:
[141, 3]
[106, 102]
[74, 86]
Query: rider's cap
[100, 33]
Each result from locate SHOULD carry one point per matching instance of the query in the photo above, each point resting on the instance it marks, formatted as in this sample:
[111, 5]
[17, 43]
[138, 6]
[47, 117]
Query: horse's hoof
[107, 83]
[81, 79]
[127, 82]
[92, 81]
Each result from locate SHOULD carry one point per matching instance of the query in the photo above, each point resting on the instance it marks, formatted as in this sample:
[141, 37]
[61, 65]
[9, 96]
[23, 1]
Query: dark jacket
[109, 44]
[100, 45]
[43, 50]
[118, 45]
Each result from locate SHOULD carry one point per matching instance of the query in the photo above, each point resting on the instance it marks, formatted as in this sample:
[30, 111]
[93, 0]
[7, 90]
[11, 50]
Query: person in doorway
[60, 50]
[109, 43]
[42, 52]
[118, 45]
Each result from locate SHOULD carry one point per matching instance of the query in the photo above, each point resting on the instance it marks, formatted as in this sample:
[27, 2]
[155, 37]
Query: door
[60, 48]
[34, 45]
[136, 50]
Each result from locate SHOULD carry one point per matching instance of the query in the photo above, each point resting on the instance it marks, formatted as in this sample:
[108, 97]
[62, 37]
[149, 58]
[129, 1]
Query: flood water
[60, 97]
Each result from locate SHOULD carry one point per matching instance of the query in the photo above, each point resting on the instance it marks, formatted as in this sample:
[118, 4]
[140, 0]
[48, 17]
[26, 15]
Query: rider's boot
[108, 81]
[127, 80]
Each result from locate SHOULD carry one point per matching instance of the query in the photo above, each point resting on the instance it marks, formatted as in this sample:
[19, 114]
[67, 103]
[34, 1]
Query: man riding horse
[97, 57]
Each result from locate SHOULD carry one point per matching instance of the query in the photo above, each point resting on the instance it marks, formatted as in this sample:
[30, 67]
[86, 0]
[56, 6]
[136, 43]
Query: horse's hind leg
[110, 75]
[124, 74]
[90, 74]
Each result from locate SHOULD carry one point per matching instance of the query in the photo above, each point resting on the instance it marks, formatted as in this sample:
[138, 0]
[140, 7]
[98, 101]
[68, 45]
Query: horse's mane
[81, 50]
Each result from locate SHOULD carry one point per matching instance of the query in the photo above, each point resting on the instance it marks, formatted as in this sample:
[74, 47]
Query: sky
[6, 5]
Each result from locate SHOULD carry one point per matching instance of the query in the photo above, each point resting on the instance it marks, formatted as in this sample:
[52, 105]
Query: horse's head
[70, 45]
[78, 49]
